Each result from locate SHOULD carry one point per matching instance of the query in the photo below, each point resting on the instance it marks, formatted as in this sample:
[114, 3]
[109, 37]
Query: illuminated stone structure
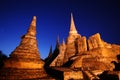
[70, 42]
[24, 62]
[92, 56]
[26, 55]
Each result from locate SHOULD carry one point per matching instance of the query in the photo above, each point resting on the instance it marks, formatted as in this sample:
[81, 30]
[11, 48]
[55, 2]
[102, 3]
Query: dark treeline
[2, 58]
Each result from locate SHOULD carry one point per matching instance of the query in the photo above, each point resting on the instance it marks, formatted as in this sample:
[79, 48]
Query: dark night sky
[53, 19]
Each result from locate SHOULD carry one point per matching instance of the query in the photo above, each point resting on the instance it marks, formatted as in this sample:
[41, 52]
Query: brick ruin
[24, 62]
[91, 56]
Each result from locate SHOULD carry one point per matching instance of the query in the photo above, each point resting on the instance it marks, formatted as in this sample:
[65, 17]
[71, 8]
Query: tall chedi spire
[27, 54]
[71, 39]
[72, 26]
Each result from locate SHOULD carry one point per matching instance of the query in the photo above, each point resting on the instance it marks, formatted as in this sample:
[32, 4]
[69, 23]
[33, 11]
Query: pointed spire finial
[50, 53]
[33, 23]
[34, 17]
[32, 28]
[58, 39]
[72, 26]
[63, 41]
[57, 42]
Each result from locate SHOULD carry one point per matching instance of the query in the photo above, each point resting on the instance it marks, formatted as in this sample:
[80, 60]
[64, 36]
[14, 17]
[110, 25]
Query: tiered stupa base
[16, 74]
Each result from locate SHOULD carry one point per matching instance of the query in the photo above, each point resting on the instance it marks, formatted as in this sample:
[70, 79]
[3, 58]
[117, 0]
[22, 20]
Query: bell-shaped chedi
[26, 55]
[24, 62]
[70, 43]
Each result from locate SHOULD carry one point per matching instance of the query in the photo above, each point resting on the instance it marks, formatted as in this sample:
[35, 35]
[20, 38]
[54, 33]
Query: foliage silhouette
[2, 58]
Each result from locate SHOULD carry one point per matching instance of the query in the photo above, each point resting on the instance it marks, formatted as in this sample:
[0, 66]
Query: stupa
[25, 62]
[70, 42]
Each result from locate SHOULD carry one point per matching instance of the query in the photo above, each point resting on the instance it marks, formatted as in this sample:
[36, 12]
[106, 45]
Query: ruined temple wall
[95, 41]
[81, 44]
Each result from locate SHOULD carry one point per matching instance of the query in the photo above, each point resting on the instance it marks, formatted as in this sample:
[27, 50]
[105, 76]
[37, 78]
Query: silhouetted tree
[2, 58]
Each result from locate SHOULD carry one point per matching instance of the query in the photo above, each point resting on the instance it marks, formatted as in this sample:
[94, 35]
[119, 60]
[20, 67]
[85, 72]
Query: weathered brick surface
[24, 62]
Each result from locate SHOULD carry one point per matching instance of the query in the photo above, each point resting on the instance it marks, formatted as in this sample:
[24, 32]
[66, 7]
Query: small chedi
[76, 58]
[24, 62]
